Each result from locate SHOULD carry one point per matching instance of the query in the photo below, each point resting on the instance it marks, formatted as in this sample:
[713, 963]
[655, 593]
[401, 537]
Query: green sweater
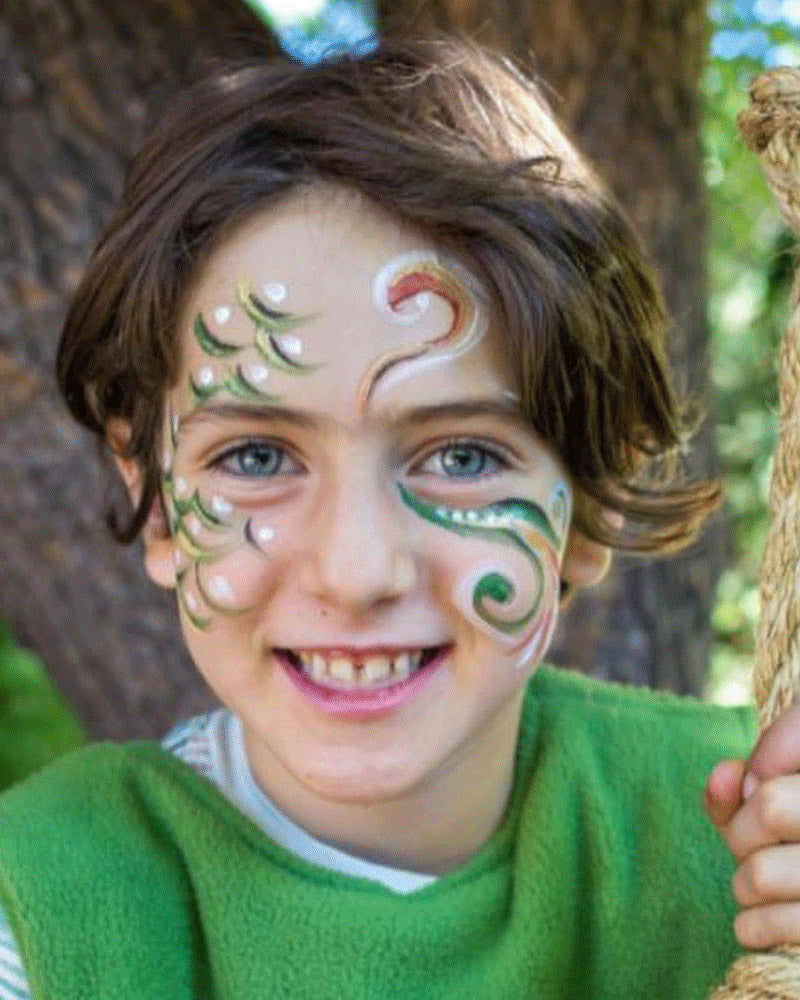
[125, 874]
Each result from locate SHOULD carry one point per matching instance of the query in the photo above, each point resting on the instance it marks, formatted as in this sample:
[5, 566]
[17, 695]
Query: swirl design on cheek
[516, 522]
[408, 281]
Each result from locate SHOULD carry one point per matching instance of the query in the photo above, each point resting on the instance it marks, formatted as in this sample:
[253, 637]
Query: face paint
[523, 525]
[403, 289]
[204, 533]
[272, 329]
[271, 338]
[194, 523]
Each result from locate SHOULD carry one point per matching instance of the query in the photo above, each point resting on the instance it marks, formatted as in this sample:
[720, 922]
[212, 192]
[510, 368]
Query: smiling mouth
[369, 672]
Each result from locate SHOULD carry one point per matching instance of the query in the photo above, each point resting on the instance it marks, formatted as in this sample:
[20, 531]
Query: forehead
[324, 259]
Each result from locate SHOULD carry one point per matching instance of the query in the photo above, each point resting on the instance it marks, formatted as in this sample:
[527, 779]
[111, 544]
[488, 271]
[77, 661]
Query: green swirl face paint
[521, 525]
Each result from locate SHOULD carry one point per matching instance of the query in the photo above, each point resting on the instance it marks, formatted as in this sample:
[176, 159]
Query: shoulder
[638, 760]
[82, 791]
[638, 717]
[635, 763]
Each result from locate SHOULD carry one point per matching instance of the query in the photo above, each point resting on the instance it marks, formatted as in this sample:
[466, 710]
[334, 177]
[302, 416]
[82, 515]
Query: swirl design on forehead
[516, 522]
[416, 276]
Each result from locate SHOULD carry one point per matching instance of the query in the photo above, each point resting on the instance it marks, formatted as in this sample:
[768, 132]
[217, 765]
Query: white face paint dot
[220, 588]
[257, 373]
[221, 506]
[275, 291]
[191, 602]
[441, 511]
[473, 515]
[265, 534]
[181, 487]
[193, 524]
[291, 345]
[222, 314]
[458, 515]
[177, 557]
[205, 376]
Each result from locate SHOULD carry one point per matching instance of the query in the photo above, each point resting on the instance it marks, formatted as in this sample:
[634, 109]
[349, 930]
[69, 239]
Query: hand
[755, 806]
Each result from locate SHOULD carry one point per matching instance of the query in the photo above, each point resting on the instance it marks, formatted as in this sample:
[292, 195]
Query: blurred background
[88, 648]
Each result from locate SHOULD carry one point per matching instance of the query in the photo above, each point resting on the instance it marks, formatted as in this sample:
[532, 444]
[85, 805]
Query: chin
[360, 785]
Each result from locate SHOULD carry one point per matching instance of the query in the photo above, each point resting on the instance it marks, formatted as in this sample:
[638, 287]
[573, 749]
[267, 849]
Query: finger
[767, 926]
[769, 816]
[723, 791]
[770, 875]
[778, 748]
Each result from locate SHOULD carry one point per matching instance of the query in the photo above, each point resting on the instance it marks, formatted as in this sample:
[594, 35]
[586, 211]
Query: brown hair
[456, 140]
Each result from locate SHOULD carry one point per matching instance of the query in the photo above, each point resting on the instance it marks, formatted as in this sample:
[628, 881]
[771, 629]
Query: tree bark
[76, 77]
[624, 77]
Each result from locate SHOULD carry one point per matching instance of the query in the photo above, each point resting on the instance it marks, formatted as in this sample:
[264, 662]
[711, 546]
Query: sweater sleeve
[13, 981]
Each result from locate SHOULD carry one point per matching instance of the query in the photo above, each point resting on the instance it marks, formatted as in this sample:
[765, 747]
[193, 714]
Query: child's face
[349, 483]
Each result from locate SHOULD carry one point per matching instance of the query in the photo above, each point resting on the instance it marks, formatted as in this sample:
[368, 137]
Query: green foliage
[36, 726]
[751, 258]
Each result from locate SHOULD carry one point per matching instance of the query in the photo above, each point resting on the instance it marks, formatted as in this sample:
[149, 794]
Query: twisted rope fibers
[770, 126]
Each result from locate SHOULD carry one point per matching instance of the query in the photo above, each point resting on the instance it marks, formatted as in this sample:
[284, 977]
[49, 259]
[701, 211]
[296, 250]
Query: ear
[159, 548]
[585, 561]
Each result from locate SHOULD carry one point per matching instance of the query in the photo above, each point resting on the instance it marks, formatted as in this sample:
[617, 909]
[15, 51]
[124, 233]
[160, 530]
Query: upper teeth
[372, 669]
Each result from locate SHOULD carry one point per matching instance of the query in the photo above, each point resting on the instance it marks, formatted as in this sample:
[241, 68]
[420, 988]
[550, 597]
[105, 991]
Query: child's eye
[257, 460]
[464, 460]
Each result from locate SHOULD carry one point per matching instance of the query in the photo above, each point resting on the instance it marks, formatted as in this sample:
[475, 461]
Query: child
[380, 361]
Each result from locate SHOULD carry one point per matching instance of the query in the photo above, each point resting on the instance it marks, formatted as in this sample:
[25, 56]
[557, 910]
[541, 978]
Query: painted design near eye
[515, 522]
[272, 338]
[403, 288]
[560, 508]
[205, 531]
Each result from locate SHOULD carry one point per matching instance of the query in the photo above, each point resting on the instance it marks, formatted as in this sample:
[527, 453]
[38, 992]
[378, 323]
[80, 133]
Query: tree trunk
[75, 78]
[624, 76]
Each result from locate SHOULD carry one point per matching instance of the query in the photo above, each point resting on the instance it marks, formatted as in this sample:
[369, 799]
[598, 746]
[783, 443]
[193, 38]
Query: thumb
[723, 791]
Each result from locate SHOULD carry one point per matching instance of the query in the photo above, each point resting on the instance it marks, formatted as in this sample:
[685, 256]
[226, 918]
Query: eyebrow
[507, 409]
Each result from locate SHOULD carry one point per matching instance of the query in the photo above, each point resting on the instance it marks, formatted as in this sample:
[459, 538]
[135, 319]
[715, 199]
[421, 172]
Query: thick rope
[771, 128]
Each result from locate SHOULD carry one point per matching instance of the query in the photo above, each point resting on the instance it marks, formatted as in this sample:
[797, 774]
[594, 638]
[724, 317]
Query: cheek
[226, 557]
[238, 575]
[508, 594]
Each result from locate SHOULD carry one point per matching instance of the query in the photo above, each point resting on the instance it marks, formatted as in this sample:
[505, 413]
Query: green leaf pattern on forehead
[271, 324]
[211, 344]
[516, 522]
[235, 384]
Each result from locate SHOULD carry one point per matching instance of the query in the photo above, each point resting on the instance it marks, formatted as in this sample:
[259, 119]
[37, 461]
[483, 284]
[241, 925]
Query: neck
[434, 827]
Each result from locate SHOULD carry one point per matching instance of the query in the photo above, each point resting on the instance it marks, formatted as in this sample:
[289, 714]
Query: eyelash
[491, 450]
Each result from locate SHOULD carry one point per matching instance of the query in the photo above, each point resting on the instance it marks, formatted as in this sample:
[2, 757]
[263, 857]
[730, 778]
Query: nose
[362, 555]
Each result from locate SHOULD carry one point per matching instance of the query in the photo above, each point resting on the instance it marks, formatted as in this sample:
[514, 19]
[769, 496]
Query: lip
[364, 704]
